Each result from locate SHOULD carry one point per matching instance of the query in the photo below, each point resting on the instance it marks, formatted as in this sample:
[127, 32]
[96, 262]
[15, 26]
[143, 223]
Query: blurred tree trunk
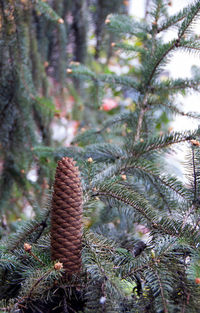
[103, 9]
[80, 28]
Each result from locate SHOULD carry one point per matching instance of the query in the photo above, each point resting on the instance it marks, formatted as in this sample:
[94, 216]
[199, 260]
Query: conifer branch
[172, 139]
[37, 282]
[194, 176]
[187, 114]
[146, 213]
[172, 20]
[161, 195]
[159, 59]
[169, 184]
[119, 119]
[192, 14]
[162, 291]
[175, 85]
[185, 220]
[28, 231]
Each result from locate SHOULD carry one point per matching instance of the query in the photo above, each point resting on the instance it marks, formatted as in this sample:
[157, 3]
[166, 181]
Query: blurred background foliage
[40, 103]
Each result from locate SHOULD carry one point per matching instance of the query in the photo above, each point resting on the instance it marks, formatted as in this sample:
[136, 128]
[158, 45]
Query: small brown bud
[126, 2]
[69, 70]
[123, 177]
[22, 171]
[113, 44]
[197, 280]
[87, 222]
[58, 266]
[90, 160]
[46, 64]
[74, 63]
[117, 221]
[60, 21]
[141, 140]
[107, 21]
[27, 247]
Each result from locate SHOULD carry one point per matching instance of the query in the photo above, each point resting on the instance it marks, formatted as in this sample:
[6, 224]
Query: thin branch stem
[146, 9]
[194, 175]
[37, 282]
[141, 117]
[162, 292]
[159, 60]
[139, 125]
[151, 174]
[163, 145]
[117, 197]
[35, 257]
[161, 195]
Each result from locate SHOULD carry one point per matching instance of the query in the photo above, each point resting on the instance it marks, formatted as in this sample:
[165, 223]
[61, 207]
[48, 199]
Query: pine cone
[66, 216]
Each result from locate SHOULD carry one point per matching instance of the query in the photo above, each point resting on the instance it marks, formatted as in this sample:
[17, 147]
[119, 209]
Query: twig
[129, 202]
[37, 282]
[139, 125]
[65, 306]
[162, 292]
[146, 9]
[28, 249]
[186, 217]
[161, 195]
[194, 175]
[44, 225]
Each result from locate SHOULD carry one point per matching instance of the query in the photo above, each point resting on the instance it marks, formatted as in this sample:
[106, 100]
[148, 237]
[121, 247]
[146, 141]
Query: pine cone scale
[73, 216]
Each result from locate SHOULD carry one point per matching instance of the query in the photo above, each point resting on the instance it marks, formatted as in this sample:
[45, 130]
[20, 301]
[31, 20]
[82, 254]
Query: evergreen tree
[125, 183]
